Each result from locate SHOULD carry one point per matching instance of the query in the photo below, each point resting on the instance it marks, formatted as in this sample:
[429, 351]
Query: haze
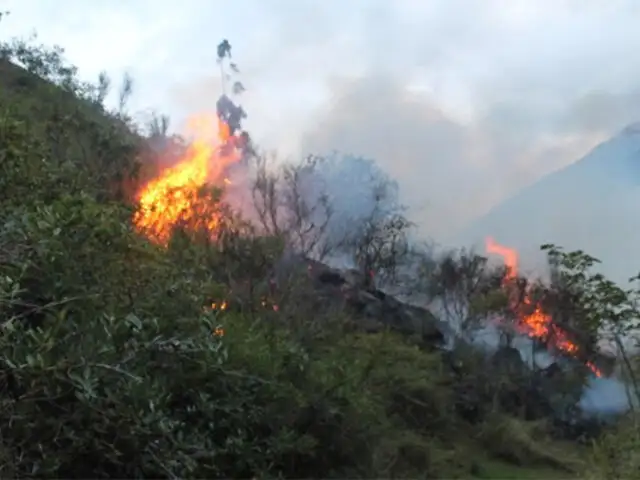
[463, 102]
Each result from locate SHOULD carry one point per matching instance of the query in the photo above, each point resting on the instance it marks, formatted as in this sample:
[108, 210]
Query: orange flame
[537, 324]
[509, 257]
[174, 197]
[221, 306]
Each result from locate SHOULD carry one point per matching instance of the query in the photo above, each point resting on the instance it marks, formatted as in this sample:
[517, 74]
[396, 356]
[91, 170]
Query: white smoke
[607, 396]
[357, 191]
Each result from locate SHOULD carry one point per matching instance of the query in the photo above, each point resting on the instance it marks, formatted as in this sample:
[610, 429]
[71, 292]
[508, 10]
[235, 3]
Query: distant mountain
[593, 205]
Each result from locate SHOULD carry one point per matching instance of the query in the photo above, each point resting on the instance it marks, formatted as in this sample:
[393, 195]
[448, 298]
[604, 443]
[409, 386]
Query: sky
[463, 102]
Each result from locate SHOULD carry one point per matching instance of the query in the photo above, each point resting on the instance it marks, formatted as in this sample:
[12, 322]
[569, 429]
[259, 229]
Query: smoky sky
[540, 91]
[463, 102]
[450, 170]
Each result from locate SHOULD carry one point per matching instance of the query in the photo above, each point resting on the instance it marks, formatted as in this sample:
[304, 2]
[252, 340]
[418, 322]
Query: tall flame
[174, 197]
[532, 320]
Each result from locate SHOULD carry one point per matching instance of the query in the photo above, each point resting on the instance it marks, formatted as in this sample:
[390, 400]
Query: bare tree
[294, 201]
[378, 245]
[157, 125]
[284, 208]
[464, 291]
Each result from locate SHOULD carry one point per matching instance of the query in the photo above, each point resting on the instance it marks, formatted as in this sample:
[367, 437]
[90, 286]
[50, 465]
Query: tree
[363, 225]
[467, 293]
[288, 204]
[599, 306]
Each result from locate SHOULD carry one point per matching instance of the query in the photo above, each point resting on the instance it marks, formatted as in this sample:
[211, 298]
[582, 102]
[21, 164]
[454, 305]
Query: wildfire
[532, 320]
[174, 196]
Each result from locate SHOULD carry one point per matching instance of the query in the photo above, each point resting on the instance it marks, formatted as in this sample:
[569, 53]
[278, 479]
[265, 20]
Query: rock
[372, 309]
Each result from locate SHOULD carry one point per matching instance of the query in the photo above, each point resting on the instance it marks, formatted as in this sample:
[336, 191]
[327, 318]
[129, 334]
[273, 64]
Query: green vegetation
[110, 366]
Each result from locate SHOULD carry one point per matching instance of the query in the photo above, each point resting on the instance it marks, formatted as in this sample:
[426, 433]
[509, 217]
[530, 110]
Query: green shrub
[616, 454]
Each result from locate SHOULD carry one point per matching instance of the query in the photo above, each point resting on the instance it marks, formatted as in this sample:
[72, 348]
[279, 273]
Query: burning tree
[292, 201]
[530, 316]
[177, 195]
[181, 194]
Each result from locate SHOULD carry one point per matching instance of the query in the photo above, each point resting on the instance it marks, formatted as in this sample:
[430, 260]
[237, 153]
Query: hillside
[590, 205]
[211, 352]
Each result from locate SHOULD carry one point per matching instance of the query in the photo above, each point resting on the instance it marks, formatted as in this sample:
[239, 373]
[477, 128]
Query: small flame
[509, 257]
[265, 303]
[222, 306]
[537, 324]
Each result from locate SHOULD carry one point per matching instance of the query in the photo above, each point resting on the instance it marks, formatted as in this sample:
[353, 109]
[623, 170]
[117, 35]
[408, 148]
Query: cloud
[463, 101]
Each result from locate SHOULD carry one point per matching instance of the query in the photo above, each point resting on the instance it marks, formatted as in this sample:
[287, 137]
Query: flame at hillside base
[537, 324]
[174, 196]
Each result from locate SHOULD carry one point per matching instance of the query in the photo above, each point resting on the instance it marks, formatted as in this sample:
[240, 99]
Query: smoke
[451, 171]
[462, 103]
[606, 396]
[357, 191]
[601, 396]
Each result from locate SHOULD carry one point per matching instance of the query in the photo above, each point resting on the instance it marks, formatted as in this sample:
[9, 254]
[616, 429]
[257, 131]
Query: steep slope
[78, 128]
[591, 205]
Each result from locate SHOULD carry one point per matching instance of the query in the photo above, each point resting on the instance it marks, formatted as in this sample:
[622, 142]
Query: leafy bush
[615, 455]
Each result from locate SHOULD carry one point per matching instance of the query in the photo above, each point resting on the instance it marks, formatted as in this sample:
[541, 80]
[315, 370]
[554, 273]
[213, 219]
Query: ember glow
[221, 306]
[173, 197]
[532, 320]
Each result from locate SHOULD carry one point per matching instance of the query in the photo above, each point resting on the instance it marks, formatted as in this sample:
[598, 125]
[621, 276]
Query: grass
[492, 469]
